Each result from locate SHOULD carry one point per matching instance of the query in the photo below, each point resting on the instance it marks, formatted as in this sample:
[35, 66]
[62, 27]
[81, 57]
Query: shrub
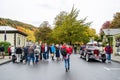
[6, 45]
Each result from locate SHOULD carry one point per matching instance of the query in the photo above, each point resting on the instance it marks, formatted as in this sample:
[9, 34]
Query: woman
[57, 52]
[37, 52]
[52, 51]
[9, 52]
[31, 54]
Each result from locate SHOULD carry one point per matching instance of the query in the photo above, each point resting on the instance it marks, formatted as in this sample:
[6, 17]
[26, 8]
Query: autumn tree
[116, 21]
[44, 32]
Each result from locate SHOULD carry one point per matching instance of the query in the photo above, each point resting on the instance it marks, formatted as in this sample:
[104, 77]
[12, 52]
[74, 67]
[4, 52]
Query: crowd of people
[36, 53]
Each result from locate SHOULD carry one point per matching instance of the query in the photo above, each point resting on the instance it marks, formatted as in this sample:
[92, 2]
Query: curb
[115, 61]
[5, 62]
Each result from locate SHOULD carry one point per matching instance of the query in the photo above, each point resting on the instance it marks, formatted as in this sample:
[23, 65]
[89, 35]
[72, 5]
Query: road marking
[106, 68]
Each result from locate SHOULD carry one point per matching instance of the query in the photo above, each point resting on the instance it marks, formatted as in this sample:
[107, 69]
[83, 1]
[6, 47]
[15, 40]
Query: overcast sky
[36, 11]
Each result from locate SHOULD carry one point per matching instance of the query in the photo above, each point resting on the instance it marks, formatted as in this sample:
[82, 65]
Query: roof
[7, 28]
[10, 29]
[111, 31]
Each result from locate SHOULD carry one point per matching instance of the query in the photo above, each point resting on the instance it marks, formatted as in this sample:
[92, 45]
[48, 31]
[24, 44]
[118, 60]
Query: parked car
[92, 51]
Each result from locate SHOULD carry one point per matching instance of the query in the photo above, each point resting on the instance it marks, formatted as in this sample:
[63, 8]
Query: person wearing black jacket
[2, 51]
[18, 53]
[26, 53]
[46, 52]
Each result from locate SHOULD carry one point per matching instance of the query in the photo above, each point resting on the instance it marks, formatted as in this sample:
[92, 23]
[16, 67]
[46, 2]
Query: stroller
[14, 58]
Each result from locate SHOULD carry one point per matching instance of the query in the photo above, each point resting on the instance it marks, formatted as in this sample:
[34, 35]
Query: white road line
[106, 68]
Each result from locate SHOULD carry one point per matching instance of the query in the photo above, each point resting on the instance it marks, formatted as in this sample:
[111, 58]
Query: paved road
[80, 70]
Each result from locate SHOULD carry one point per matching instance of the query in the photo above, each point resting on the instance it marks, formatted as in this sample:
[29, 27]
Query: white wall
[22, 40]
[10, 37]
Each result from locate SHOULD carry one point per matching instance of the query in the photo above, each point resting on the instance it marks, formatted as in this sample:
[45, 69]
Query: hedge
[6, 45]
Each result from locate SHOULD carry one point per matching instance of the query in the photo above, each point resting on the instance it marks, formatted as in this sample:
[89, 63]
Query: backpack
[63, 52]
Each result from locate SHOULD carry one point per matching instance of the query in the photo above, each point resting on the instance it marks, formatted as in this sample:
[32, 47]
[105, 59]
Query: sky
[36, 11]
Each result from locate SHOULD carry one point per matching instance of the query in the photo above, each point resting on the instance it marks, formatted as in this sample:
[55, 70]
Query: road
[53, 70]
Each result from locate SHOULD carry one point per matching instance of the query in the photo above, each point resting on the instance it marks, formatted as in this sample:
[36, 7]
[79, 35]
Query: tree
[45, 24]
[70, 29]
[116, 21]
[105, 25]
[59, 19]
[44, 32]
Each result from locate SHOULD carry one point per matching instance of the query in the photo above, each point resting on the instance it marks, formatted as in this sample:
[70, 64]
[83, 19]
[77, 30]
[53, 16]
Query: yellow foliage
[29, 32]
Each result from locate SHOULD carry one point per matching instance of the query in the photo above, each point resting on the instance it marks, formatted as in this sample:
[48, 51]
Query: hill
[23, 27]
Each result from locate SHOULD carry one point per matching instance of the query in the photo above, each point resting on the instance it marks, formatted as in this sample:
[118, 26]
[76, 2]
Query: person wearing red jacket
[108, 50]
[9, 52]
[67, 57]
[69, 52]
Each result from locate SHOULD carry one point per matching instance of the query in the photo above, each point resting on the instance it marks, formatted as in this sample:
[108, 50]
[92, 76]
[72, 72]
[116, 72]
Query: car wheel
[87, 57]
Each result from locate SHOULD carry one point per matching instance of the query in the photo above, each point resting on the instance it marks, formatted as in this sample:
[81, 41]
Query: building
[115, 34]
[12, 35]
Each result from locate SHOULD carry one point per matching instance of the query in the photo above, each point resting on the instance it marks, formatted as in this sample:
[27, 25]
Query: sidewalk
[5, 60]
[115, 58]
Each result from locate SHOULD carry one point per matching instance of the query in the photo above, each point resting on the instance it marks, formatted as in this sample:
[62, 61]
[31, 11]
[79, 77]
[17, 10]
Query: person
[64, 52]
[18, 53]
[75, 49]
[52, 51]
[31, 54]
[42, 51]
[69, 51]
[13, 49]
[108, 50]
[57, 52]
[82, 49]
[9, 52]
[2, 51]
[26, 53]
[46, 52]
[37, 52]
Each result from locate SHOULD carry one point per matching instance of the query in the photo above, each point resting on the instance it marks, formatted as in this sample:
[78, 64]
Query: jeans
[67, 62]
[41, 56]
[45, 55]
[108, 57]
[31, 56]
[36, 60]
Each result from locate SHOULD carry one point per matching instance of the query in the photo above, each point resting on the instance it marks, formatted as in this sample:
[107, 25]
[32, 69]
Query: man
[46, 52]
[108, 50]
[18, 53]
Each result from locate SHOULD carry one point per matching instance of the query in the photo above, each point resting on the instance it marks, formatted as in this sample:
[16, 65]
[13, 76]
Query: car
[92, 51]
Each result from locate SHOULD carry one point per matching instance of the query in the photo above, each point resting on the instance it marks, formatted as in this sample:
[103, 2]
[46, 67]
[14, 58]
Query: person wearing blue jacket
[53, 51]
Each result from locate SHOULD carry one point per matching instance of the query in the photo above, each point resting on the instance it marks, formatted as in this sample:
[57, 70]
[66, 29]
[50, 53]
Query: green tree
[44, 32]
[70, 29]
